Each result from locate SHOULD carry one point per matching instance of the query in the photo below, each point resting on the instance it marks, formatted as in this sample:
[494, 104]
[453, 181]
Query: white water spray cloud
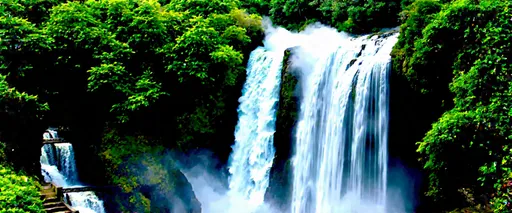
[211, 189]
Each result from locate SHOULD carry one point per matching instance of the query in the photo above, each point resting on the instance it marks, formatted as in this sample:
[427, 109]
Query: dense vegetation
[170, 71]
[18, 192]
[134, 80]
[345, 15]
[463, 48]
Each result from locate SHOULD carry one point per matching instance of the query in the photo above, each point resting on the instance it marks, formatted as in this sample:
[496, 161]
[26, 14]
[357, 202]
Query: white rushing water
[58, 166]
[340, 162]
[253, 151]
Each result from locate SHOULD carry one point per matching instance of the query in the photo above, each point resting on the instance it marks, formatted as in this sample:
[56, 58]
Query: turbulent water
[58, 166]
[253, 151]
[340, 162]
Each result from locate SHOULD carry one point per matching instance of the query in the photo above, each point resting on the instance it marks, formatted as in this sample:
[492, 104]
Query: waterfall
[66, 163]
[58, 166]
[52, 174]
[86, 202]
[253, 151]
[340, 162]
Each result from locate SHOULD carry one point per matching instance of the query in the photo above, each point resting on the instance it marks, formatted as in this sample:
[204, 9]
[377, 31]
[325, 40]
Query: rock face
[185, 193]
[150, 182]
[167, 188]
[279, 191]
[178, 197]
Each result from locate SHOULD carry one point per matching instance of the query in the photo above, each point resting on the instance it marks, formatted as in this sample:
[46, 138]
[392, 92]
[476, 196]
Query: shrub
[18, 193]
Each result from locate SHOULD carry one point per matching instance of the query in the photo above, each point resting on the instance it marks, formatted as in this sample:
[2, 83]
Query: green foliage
[294, 14]
[204, 8]
[280, 185]
[3, 156]
[18, 110]
[19, 36]
[18, 106]
[99, 33]
[208, 59]
[287, 103]
[133, 49]
[463, 46]
[35, 11]
[126, 63]
[346, 15]
[362, 16]
[130, 56]
[417, 15]
[455, 136]
[18, 193]
[256, 6]
[10, 98]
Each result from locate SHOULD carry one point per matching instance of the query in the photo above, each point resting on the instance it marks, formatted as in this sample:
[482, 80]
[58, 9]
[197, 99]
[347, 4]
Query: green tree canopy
[463, 46]
[124, 64]
[358, 17]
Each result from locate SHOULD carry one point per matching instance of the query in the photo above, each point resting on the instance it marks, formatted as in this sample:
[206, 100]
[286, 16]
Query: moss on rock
[279, 190]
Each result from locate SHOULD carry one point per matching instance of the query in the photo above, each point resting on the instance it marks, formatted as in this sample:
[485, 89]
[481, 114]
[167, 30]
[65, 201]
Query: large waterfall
[58, 166]
[253, 151]
[340, 162]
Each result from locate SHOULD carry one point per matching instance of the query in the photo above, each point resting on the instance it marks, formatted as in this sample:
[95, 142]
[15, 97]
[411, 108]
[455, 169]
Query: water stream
[58, 166]
[340, 162]
[253, 151]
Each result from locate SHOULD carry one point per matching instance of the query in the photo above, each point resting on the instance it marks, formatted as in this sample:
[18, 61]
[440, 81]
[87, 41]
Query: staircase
[52, 200]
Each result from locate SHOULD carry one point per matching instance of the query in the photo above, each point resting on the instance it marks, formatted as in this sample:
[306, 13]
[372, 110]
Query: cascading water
[86, 202]
[66, 163]
[58, 166]
[340, 162]
[253, 151]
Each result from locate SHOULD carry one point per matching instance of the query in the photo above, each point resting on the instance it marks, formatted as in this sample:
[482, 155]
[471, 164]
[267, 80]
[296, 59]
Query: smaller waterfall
[50, 134]
[58, 166]
[253, 151]
[86, 202]
[52, 174]
[66, 163]
[48, 156]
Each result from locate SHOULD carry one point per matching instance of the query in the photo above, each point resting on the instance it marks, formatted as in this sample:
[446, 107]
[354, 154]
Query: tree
[464, 46]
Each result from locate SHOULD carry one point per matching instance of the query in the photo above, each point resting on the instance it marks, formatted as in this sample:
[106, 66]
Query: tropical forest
[253, 106]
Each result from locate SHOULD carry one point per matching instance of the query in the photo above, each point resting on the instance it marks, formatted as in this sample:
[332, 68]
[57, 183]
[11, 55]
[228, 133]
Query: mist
[154, 183]
[403, 187]
[210, 186]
